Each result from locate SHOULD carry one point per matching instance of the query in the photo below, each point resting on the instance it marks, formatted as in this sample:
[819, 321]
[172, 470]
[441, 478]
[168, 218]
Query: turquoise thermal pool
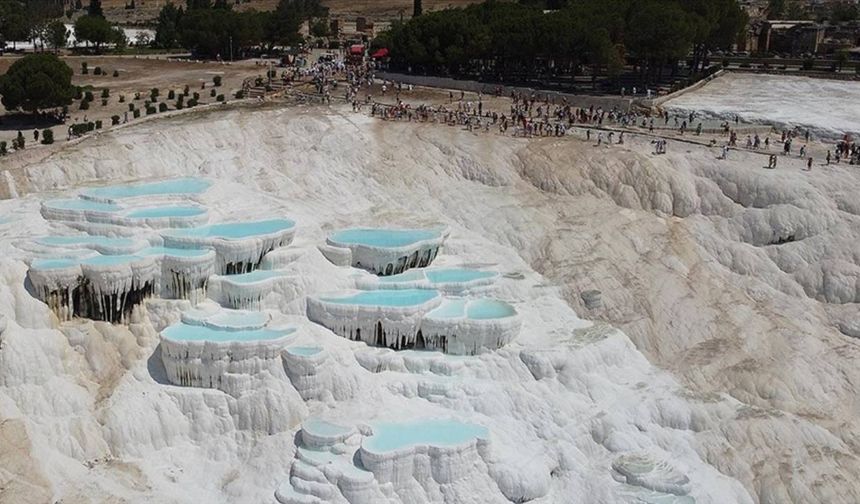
[304, 351]
[389, 298]
[188, 185]
[234, 230]
[388, 436]
[182, 332]
[82, 205]
[384, 238]
[164, 212]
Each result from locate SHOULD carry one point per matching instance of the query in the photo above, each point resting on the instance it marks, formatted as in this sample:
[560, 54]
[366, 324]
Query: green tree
[37, 82]
[57, 35]
[417, 10]
[15, 23]
[95, 9]
[167, 27]
[94, 30]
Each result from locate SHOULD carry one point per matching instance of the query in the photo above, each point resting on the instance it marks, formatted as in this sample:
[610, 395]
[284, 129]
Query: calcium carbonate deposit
[184, 319]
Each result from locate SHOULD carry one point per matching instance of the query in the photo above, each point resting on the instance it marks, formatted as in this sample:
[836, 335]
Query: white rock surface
[727, 361]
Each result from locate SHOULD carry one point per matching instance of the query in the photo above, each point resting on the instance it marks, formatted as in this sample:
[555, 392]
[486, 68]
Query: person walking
[809, 164]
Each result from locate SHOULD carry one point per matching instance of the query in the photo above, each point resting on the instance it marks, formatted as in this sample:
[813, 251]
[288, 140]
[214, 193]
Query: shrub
[220, 98]
[99, 124]
[105, 93]
[857, 69]
[88, 96]
[171, 94]
[79, 93]
[179, 105]
[212, 93]
[192, 102]
[122, 98]
[217, 80]
[136, 113]
[91, 126]
[196, 96]
[116, 73]
[114, 120]
[137, 95]
[131, 107]
[85, 105]
[97, 71]
[150, 110]
[19, 142]
[104, 103]
[47, 136]
[186, 90]
[153, 92]
[84, 69]
[162, 107]
[808, 63]
[240, 94]
[65, 110]
[3, 150]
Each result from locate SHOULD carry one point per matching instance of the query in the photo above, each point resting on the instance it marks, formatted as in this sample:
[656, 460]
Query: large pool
[234, 230]
[166, 211]
[190, 332]
[50, 264]
[82, 205]
[389, 436]
[405, 297]
[188, 185]
[377, 237]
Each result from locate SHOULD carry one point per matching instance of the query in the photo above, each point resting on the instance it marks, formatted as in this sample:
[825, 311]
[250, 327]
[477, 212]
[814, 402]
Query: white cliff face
[726, 371]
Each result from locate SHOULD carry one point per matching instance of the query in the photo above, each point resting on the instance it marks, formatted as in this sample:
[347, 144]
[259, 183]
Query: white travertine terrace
[385, 251]
[454, 281]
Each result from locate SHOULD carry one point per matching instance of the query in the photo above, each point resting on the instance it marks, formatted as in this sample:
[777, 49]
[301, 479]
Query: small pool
[82, 205]
[173, 252]
[164, 212]
[377, 237]
[304, 351]
[235, 230]
[409, 276]
[252, 277]
[405, 297]
[456, 275]
[478, 309]
[225, 319]
[321, 428]
[389, 437]
[189, 185]
[49, 264]
[189, 332]
[489, 309]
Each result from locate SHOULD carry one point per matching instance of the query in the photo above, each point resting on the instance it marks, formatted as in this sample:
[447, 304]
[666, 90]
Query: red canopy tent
[380, 53]
[356, 50]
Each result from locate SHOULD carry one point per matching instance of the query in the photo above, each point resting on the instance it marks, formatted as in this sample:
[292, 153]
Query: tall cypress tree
[416, 8]
[95, 9]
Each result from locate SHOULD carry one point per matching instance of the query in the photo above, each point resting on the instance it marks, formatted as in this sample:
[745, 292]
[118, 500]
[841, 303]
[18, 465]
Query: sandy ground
[136, 75]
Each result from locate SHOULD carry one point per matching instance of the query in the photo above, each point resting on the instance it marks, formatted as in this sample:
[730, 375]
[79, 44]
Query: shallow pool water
[188, 185]
[228, 320]
[408, 276]
[167, 211]
[235, 230]
[304, 351]
[190, 332]
[253, 277]
[110, 260]
[456, 275]
[319, 427]
[389, 436]
[82, 205]
[406, 297]
[489, 309]
[48, 264]
[476, 309]
[377, 237]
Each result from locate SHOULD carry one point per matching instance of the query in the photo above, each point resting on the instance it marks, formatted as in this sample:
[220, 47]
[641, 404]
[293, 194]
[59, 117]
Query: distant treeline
[214, 29]
[564, 37]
